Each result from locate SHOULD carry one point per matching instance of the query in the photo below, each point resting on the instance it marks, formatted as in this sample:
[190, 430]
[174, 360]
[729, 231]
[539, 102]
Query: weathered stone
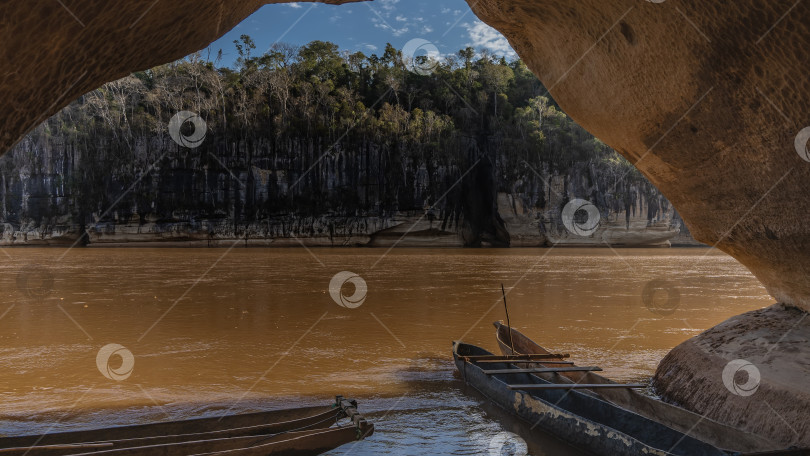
[706, 98]
[53, 52]
[769, 396]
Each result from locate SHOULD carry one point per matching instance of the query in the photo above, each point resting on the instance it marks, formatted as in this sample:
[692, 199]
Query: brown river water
[216, 330]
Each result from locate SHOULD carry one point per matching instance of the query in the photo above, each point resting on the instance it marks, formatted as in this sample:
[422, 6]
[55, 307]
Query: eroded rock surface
[706, 98]
[53, 52]
[766, 393]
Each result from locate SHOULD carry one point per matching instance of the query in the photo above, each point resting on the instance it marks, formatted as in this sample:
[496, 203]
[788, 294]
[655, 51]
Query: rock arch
[705, 97]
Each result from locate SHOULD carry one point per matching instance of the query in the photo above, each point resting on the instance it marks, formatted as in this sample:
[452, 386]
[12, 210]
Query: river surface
[212, 330]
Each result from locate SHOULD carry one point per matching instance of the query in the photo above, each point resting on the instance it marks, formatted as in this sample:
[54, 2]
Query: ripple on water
[262, 326]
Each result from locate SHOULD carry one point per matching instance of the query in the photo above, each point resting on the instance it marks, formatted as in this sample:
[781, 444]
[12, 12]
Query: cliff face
[254, 193]
[311, 145]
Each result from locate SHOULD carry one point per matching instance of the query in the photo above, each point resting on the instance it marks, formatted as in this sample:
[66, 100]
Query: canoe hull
[302, 431]
[548, 410]
[310, 445]
[269, 422]
[302, 443]
[683, 420]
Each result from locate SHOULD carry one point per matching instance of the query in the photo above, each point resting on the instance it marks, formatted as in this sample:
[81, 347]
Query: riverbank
[399, 230]
[516, 224]
[293, 244]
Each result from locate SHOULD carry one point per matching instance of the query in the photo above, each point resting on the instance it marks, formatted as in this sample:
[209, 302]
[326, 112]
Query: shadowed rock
[53, 52]
[706, 98]
[765, 392]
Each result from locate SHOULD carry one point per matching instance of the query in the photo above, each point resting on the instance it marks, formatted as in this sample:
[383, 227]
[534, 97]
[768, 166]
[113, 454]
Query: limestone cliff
[196, 200]
[318, 148]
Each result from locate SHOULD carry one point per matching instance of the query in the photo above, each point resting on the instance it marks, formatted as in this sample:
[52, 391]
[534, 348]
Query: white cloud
[381, 23]
[482, 35]
[388, 4]
[294, 5]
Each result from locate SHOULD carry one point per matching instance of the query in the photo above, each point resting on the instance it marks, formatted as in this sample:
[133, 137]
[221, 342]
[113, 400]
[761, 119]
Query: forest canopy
[311, 130]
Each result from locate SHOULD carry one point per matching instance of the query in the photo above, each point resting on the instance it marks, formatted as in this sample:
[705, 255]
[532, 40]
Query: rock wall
[708, 100]
[705, 98]
[191, 199]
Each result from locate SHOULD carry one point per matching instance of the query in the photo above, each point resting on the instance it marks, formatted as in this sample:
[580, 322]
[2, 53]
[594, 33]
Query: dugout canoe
[298, 431]
[579, 418]
[678, 418]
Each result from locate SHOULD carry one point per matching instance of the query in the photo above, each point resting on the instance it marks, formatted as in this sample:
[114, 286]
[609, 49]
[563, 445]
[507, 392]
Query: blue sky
[367, 27]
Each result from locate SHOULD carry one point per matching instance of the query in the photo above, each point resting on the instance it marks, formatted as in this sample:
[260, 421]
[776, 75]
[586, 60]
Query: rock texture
[774, 404]
[706, 98]
[199, 205]
[53, 52]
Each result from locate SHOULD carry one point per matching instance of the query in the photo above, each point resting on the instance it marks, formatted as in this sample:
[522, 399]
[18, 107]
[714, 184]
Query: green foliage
[283, 109]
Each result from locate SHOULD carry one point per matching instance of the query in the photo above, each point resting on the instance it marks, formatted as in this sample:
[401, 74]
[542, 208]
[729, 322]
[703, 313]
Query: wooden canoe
[302, 431]
[582, 420]
[670, 415]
